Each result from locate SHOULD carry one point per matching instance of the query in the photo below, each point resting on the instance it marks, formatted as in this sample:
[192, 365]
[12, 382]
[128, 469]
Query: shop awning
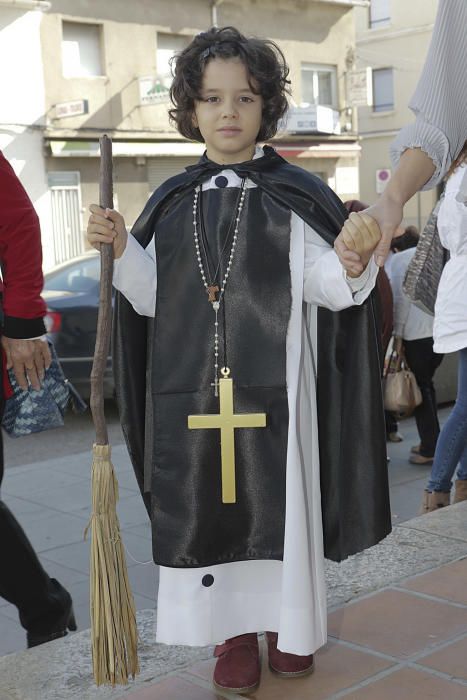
[185, 149]
[317, 150]
[126, 149]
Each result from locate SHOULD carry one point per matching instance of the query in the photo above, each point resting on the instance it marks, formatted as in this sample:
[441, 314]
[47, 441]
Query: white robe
[289, 596]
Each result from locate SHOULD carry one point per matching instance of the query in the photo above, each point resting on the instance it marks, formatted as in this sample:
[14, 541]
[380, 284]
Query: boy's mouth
[230, 129]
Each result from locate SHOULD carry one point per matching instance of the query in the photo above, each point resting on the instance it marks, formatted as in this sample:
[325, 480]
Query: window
[168, 45]
[81, 50]
[81, 276]
[319, 85]
[63, 178]
[383, 90]
[379, 13]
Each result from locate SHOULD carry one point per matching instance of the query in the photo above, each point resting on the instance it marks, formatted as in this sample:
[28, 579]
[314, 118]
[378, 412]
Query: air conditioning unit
[312, 119]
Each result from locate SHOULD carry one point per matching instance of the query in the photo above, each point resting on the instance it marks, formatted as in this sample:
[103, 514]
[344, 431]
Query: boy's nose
[230, 111]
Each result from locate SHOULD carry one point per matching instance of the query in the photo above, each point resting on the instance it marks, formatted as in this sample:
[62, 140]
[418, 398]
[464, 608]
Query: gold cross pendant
[227, 421]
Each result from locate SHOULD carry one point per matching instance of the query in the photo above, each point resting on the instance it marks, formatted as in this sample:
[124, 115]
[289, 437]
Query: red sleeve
[21, 259]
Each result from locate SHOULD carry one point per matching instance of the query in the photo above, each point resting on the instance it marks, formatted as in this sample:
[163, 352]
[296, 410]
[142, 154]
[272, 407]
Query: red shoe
[238, 667]
[288, 665]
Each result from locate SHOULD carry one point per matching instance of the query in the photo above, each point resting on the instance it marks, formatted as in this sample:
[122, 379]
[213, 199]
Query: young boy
[218, 347]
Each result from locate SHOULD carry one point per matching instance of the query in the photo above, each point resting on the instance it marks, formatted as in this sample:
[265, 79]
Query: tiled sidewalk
[406, 642]
[52, 498]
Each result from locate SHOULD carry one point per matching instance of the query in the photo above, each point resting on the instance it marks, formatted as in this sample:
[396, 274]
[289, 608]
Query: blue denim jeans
[451, 449]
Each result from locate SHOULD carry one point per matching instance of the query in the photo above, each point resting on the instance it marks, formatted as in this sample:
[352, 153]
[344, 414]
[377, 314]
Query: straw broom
[113, 616]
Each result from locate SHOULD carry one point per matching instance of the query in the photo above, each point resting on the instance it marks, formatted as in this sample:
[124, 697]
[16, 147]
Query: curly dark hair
[265, 64]
[408, 239]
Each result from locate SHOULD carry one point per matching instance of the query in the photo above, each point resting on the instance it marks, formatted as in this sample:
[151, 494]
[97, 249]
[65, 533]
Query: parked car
[71, 292]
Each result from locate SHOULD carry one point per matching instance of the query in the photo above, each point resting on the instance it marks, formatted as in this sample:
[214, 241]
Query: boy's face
[228, 114]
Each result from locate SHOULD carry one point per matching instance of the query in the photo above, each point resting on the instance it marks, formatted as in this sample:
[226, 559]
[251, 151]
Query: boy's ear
[194, 120]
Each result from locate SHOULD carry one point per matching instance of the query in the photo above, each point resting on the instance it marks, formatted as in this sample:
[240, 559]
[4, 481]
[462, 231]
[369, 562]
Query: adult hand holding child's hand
[107, 226]
[357, 242]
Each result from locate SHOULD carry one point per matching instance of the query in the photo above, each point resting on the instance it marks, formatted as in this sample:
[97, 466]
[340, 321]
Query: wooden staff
[113, 615]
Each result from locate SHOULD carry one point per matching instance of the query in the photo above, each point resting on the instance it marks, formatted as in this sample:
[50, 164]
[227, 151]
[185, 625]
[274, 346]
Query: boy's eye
[213, 99]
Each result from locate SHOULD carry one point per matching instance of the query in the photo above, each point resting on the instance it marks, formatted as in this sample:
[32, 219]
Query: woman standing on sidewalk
[44, 605]
[413, 331]
[450, 335]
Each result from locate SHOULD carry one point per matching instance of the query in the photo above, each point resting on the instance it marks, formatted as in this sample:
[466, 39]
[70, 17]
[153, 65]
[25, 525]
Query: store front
[142, 166]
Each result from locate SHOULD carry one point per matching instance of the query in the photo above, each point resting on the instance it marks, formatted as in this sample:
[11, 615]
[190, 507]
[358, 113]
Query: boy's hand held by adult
[388, 213]
[107, 226]
[357, 242]
[413, 172]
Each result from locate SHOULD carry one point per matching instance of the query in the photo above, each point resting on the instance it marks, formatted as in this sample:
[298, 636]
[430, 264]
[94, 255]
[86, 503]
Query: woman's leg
[462, 471]
[460, 492]
[452, 442]
[392, 427]
[44, 606]
[423, 362]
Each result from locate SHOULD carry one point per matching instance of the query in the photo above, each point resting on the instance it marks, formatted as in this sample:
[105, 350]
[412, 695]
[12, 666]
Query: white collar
[259, 153]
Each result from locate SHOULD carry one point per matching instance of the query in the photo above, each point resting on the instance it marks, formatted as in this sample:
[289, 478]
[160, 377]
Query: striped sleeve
[440, 99]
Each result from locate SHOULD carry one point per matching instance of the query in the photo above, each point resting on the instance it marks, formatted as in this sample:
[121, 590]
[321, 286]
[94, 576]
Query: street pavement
[50, 495]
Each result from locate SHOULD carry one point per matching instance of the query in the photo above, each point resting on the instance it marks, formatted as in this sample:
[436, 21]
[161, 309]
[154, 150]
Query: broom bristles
[113, 614]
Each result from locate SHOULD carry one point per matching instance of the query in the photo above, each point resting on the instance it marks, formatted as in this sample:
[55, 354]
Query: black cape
[354, 483]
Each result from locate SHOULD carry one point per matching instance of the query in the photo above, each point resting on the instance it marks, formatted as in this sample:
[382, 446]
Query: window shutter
[383, 89]
[160, 169]
[379, 13]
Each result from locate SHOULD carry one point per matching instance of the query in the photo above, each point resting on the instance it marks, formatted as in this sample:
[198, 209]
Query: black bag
[424, 271]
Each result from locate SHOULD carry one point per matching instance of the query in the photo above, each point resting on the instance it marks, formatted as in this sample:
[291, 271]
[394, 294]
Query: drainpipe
[42, 5]
[214, 5]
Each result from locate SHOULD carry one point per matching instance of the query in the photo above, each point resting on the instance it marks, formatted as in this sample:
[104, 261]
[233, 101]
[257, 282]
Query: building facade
[392, 41]
[22, 106]
[99, 67]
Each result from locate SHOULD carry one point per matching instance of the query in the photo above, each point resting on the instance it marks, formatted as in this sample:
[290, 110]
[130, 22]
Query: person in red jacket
[44, 606]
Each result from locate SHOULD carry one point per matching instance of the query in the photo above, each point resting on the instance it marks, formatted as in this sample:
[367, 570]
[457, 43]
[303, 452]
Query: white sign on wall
[313, 118]
[359, 88]
[74, 108]
[153, 90]
[383, 175]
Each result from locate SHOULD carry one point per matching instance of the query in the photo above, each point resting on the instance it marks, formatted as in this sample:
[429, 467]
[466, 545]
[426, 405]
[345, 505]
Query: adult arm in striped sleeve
[423, 151]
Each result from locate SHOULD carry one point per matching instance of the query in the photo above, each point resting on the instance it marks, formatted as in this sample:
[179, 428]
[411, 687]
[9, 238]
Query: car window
[81, 276]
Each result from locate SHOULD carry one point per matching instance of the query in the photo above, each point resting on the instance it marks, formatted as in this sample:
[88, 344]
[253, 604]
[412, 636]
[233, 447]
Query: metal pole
[214, 5]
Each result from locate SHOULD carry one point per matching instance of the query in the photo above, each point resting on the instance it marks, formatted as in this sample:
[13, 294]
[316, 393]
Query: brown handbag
[402, 394]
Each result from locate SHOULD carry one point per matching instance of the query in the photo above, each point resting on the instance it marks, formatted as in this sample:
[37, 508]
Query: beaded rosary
[216, 294]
